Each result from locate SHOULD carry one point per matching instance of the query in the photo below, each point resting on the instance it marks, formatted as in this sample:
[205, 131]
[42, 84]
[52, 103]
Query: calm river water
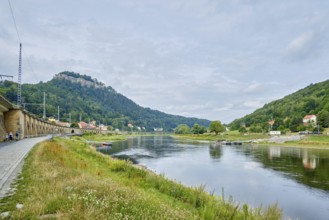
[295, 178]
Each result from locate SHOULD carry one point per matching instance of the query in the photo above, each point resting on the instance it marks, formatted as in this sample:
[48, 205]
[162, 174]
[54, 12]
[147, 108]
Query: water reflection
[307, 166]
[146, 147]
[274, 152]
[309, 161]
[215, 152]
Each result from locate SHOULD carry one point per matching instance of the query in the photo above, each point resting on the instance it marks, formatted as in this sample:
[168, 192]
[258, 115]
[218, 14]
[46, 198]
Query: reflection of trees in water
[215, 152]
[306, 166]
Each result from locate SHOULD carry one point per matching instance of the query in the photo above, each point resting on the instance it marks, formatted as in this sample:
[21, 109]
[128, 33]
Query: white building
[309, 119]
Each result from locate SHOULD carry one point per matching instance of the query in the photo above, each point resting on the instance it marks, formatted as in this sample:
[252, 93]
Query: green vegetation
[289, 111]
[198, 129]
[216, 126]
[185, 129]
[315, 140]
[228, 136]
[182, 129]
[68, 179]
[97, 102]
[103, 137]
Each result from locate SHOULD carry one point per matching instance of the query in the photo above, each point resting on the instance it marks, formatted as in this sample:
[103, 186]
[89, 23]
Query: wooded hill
[289, 111]
[89, 99]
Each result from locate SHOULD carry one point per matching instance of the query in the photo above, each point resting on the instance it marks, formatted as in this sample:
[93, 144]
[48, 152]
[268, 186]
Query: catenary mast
[19, 86]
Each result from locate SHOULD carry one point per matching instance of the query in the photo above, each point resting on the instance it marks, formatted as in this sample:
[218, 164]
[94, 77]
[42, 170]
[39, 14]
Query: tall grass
[65, 179]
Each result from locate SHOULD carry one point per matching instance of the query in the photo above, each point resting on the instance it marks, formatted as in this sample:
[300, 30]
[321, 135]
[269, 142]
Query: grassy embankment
[228, 136]
[104, 137]
[307, 140]
[312, 140]
[66, 179]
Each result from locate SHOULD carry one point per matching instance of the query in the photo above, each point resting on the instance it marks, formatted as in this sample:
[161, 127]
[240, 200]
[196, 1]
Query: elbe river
[295, 178]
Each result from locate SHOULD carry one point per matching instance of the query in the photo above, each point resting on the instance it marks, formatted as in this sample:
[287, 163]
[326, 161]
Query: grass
[67, 179]
[313, 140]
[104, 137]
[228, 136]
[308, 140]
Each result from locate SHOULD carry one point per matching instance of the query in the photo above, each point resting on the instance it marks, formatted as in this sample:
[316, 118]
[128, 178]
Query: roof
[83, 124]
[309, 116]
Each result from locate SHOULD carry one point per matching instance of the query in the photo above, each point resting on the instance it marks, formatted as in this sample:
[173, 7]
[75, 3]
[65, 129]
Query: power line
[19, 37]
[13, 16]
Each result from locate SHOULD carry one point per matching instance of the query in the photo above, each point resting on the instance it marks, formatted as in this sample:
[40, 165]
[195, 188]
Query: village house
[84, 125]
[309, 119]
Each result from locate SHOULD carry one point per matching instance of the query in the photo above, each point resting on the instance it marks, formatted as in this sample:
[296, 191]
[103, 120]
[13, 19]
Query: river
[296, 178]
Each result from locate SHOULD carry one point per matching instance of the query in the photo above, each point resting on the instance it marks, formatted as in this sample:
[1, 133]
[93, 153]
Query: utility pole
[70, 117]
[58, 113]
[19, 88]
[44, 105]
[80, 117]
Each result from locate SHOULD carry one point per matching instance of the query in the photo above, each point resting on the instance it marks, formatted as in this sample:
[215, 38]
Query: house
[84, 125]
[309, 119]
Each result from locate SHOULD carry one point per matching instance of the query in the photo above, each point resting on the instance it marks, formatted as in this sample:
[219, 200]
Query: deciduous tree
[216, 126]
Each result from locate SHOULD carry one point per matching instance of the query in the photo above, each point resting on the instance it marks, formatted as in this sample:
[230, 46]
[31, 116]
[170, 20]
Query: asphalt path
[12, 155]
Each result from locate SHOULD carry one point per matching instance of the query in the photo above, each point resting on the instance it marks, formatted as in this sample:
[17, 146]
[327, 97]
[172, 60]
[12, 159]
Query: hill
[84, 97]
[289, 111]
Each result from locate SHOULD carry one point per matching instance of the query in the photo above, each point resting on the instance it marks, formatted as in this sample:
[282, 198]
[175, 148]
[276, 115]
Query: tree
[294, 123]
[242, 130]
[323, 118]
[256, 129]
[216, 126]
[182, 129]
[198, 129]
[74, 125]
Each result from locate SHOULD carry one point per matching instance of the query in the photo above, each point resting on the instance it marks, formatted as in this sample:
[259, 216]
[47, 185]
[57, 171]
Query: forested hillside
[82, 96]
[289, 111]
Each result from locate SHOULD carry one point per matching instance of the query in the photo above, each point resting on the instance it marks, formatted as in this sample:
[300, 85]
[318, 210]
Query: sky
[212, 59]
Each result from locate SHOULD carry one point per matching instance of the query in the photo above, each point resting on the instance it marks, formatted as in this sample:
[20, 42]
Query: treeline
[104, 105]
[215, 126]
[288, 112]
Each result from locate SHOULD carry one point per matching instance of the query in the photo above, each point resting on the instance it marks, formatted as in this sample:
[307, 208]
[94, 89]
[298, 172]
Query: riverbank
[318, 141]
[68, 179]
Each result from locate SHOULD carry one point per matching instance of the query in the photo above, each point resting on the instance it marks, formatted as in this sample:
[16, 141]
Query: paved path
[12, 156]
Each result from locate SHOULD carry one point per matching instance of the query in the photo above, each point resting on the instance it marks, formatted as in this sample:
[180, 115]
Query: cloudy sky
[213, 59]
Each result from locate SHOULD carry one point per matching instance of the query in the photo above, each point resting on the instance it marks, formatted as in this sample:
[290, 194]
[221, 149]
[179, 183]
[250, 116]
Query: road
[12, 155]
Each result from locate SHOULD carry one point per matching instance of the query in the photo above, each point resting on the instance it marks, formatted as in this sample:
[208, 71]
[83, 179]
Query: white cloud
[301, 45]
[253, 104]
[213, 59]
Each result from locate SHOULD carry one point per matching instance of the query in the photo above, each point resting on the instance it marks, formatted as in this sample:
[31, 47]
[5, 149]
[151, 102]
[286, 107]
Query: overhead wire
[18, 35]
[13, 16]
